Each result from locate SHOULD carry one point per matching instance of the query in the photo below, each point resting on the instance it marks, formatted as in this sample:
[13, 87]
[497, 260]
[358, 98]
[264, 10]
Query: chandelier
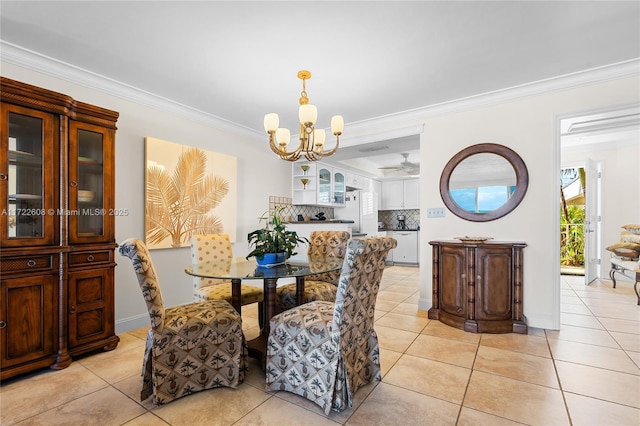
[311, 139]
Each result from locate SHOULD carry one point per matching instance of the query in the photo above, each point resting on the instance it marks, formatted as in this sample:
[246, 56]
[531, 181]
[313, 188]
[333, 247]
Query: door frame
[593, 221]
[557, 138]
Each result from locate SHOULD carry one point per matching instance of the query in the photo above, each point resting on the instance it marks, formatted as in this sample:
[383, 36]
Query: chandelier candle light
[311, 139]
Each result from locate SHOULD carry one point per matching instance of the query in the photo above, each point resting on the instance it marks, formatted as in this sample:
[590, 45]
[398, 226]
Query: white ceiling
[238, 60]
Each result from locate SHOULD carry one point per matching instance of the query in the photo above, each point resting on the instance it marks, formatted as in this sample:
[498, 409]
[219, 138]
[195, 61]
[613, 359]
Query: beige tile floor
[586, 373]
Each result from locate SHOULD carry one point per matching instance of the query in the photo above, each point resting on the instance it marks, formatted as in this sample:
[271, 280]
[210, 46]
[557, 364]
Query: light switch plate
[435, 212]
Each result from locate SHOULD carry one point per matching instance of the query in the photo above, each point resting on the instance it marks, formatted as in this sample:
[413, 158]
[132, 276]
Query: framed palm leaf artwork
[188, 191]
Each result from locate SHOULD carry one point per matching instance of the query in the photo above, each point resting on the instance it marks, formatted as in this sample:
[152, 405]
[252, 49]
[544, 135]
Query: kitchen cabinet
[56, 228]
[477, 287]
[407, 250]
[319, 184]
[354, 181]
[305, 184]
[322, 185]
[401, 194]
[376, 186]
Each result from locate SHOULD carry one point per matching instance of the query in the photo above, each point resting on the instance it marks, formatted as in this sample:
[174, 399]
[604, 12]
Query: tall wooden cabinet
[57, 235]
[477, 287]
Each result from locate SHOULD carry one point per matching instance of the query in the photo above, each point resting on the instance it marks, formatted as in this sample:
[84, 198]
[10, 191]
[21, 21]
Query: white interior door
[593, 221]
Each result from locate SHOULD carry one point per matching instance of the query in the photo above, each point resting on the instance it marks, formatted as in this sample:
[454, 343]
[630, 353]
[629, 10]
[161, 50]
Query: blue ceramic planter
[271, 259]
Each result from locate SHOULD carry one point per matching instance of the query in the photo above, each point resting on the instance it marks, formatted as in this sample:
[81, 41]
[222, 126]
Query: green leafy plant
[273, 237]
[572, 236]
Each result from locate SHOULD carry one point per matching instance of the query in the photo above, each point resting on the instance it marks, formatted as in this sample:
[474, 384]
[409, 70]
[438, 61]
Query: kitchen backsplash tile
[290, 212]
[389, 217]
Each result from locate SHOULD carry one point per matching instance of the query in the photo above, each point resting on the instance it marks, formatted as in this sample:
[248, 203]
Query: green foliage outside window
[572, 236]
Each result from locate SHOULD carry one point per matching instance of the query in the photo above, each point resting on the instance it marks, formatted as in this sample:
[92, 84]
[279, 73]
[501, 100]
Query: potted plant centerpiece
[273, 244]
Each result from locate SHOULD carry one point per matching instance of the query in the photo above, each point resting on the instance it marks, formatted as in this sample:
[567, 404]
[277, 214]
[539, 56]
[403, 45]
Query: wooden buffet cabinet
[57, 236]
[477, 286]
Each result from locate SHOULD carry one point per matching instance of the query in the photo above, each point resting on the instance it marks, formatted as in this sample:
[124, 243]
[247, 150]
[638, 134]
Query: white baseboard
[132, 323]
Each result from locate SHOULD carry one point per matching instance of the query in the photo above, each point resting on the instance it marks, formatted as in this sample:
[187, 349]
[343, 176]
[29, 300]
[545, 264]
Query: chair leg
[261, 321]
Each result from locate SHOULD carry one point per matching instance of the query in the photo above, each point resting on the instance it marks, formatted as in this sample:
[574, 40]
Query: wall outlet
[435, 212]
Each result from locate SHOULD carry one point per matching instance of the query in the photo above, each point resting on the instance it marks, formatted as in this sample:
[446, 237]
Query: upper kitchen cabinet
[56, 228]
[339, 188]
[355, 181]
[318, 184]
[400, 194]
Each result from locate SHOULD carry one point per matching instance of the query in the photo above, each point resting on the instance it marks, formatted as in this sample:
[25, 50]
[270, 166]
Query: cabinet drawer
[27, 263]
[90, 257]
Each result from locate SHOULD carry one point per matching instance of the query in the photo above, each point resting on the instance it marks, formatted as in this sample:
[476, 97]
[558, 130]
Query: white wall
[260, 174]
[528, 126]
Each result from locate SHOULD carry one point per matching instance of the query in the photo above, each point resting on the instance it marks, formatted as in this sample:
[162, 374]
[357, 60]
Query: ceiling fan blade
[405, 165]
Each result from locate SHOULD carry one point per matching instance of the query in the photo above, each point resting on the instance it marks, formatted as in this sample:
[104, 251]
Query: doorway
[581, 220]
[572, 220]
[586, 140]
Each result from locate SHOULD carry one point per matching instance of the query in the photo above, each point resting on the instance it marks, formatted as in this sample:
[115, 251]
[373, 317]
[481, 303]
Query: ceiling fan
[405, 166]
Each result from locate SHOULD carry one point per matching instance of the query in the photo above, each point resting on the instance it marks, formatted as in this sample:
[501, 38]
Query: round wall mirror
[484, 182]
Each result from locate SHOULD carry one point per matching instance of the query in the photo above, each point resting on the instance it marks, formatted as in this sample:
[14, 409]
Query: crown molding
[367, 134]
[35, 61]
[615, 71]
[360, 130]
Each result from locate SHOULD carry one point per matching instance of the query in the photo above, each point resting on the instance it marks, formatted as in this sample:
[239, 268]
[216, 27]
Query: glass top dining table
[243, 269]
[239, 269]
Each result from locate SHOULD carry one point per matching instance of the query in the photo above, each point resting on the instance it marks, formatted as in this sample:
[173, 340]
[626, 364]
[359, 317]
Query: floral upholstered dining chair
[189, 347]
[217, 246]
[320, 286]
[326, 351]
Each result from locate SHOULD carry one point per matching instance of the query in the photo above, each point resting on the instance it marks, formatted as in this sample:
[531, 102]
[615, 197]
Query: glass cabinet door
[324, 186]
[338, 188]
[90, 205]
[27, 184]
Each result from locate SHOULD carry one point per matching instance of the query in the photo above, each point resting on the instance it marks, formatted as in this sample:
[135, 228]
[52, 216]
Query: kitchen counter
[315, 222]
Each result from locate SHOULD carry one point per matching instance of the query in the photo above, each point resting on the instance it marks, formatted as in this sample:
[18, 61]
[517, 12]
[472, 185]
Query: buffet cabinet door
[28, 185]
[28, 321]
[453, 284]
[494, 284]
[90, 306]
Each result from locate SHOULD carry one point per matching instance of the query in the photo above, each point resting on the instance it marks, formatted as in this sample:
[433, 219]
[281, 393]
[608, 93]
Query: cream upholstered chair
[320, 286]
[189, 347]
[216, 246]
[326, 351]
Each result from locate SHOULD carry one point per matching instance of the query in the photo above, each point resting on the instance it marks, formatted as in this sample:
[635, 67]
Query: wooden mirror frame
[522, 181]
